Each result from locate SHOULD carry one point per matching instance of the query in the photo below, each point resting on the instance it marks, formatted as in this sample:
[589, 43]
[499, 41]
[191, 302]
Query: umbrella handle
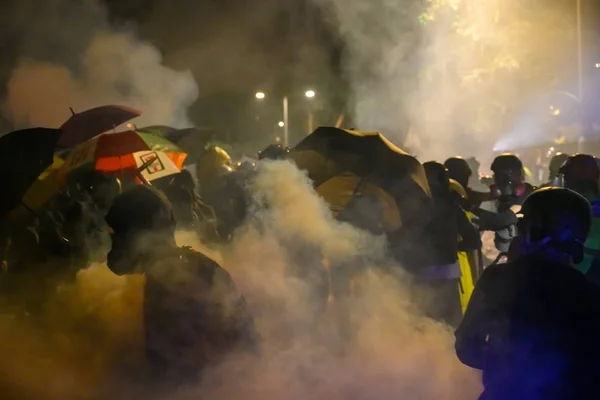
[144, 180]
[143, 167]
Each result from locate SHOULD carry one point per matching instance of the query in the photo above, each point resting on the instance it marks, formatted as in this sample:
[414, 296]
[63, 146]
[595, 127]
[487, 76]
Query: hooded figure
[193, 313]
[532, 324]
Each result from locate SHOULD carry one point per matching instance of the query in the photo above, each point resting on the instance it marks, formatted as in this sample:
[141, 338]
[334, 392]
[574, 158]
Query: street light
[284, 124]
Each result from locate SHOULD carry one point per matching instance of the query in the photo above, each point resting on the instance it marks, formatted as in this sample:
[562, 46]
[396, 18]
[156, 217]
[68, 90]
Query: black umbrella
[24, 155]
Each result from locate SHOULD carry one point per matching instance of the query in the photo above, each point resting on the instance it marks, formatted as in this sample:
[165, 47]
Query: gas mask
[508, 189]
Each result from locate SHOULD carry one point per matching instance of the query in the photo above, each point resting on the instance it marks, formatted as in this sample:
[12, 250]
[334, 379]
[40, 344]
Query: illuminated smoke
[91, 345]
[458, 73]
[69, 56]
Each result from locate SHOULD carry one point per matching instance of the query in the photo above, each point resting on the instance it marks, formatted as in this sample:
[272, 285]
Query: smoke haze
[91, 344]
[461, 79]
[67, 55]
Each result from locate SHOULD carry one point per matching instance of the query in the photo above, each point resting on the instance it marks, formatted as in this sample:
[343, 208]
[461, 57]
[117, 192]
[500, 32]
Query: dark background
[235, 48]
[289, 46]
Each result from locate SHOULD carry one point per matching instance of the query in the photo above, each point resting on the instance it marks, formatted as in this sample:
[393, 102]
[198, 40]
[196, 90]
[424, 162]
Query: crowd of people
[530, 324]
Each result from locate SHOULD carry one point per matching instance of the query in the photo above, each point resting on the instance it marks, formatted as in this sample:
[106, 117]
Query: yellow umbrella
[343, 163]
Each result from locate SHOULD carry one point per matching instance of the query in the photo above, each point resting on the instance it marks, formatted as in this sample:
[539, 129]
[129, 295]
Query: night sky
[236, 47]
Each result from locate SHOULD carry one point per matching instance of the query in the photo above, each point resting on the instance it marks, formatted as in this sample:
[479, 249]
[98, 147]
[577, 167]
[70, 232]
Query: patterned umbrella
[126, 153]
[192, 140]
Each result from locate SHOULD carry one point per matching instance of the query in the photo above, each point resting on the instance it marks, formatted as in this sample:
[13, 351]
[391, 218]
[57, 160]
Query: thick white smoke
[69, 56]
[91, 345]
[458, 73]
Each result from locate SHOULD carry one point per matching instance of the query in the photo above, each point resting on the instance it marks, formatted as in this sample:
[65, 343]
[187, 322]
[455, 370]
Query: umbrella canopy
[162, 130]
[126, 152]
[44, 188]
[191, 140]
[342, 163]
[87, 124]
[24, 155]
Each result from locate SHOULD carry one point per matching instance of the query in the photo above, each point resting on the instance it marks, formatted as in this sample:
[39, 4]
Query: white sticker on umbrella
[155, 164]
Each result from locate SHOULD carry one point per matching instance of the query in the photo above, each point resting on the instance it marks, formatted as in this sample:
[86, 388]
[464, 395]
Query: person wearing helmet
[220, 189]
[448, 223]
[273, 152]
[509, 186]
[556, 162]
[509, 190]
[193, 312]
[532, 324]
[212, 164]
[460, 170]
[581, 174]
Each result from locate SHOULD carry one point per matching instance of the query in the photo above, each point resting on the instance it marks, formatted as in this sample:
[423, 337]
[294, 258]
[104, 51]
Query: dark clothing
[504, 224]
[448, 224]
[228, 197]
[193, 316]
[532, 327]
[437, 284]
[475, 198]
[491, 221]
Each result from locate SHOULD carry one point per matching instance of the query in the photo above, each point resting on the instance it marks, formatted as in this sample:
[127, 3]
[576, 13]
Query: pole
[579, 54]
[286, 133]
[311, 122]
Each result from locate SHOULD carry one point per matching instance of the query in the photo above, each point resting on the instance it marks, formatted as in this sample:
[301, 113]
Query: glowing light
[278, 139]
[281, 124]
[310, 94]
[597, 65]
[129, 126]
[260, 95]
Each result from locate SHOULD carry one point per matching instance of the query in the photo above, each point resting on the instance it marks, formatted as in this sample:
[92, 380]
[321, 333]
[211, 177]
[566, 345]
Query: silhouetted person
[556, 162]
[181, 194]
[448, 223]
[581, 173]
[193, 313]
[532, 325]
[460, 170]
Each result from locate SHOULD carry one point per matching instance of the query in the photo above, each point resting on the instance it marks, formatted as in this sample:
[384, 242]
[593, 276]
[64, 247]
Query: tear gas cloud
[460, 79]
[67, 55]
[93, 344]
